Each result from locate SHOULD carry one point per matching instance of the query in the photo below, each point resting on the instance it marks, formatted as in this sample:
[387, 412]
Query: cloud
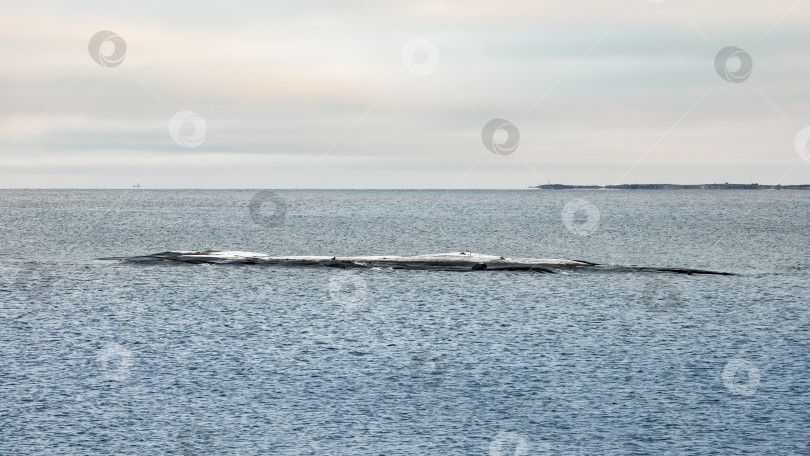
[280, 85]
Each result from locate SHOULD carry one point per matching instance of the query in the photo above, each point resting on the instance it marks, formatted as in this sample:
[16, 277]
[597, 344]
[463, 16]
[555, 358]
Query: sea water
[109, 357]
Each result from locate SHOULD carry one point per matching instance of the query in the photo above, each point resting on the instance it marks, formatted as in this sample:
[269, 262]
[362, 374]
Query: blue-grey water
[106, 357]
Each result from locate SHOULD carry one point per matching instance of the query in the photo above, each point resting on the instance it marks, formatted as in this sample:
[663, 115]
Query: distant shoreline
[725, 186]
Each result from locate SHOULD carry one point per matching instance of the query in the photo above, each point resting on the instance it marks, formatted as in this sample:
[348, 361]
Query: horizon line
[532, 187]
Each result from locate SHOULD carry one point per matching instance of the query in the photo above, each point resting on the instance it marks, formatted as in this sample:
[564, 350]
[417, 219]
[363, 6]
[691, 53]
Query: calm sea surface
[106, 357]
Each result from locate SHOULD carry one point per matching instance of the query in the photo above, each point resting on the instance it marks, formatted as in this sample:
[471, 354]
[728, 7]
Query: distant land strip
[725, 186]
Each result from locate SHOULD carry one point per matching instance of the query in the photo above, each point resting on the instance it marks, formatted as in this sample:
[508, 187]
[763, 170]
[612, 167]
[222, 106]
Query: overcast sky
[397, 94]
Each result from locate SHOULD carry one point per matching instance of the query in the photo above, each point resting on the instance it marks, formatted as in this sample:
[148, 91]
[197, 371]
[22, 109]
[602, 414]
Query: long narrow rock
[452, 261]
